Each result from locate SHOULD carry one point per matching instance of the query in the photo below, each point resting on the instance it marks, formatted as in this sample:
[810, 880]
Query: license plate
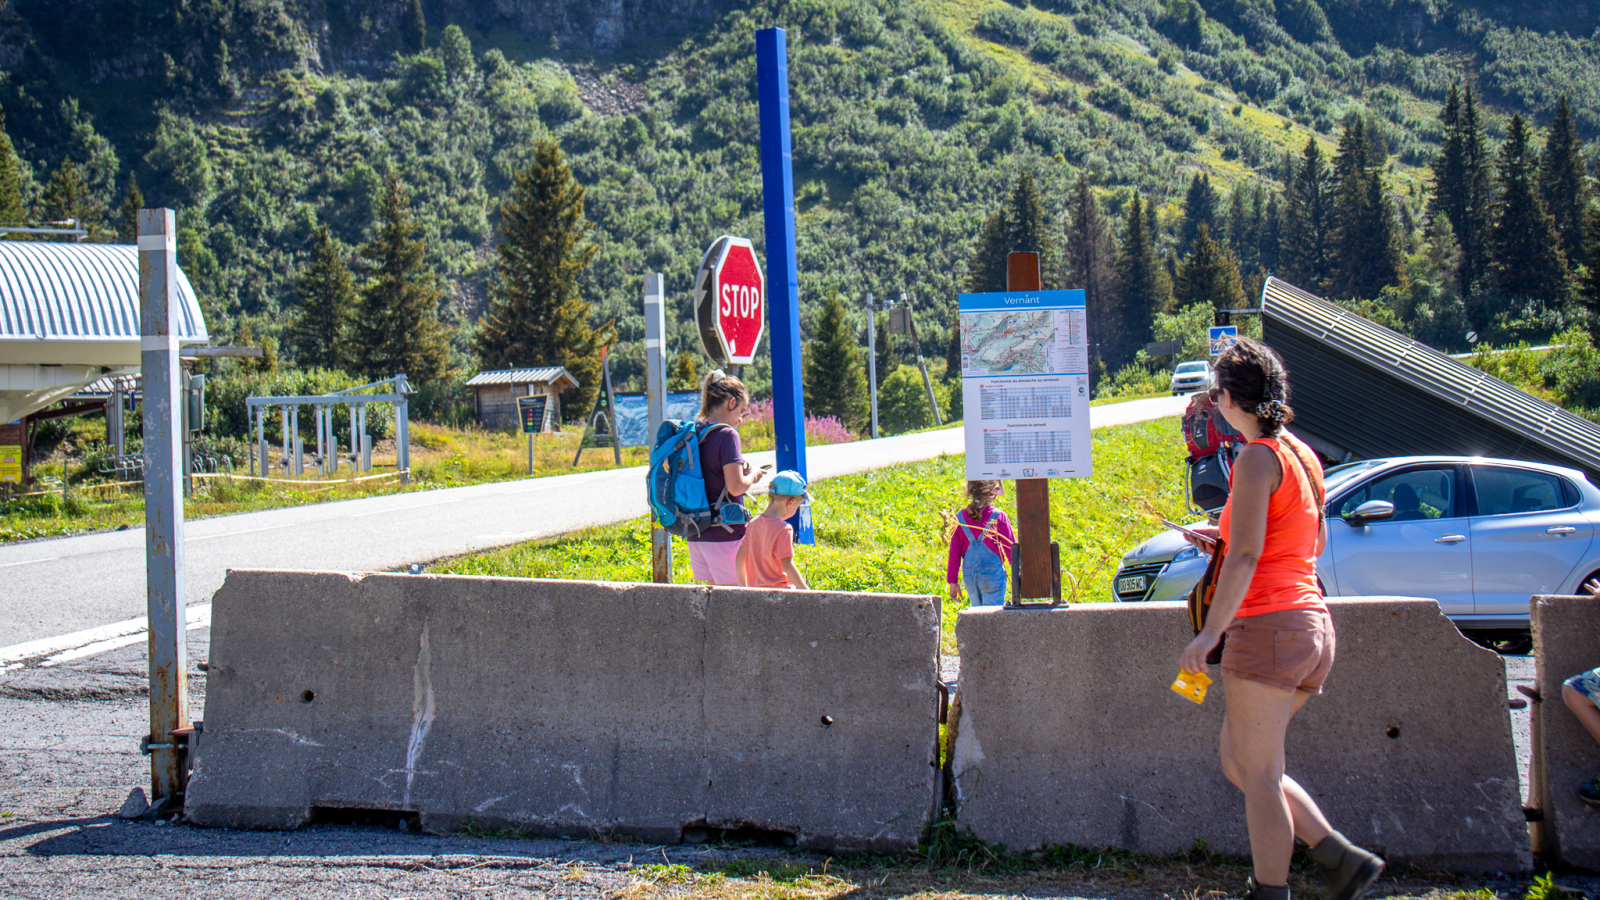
[1132, 584]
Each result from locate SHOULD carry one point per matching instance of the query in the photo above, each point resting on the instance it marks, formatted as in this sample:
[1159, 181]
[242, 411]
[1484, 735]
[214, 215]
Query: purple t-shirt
[718, 447]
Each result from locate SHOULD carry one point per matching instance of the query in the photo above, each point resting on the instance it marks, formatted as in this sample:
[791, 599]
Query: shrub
[903, 401]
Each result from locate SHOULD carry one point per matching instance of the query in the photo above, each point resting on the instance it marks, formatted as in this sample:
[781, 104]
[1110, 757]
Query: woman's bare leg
[1583, 708]
[1276, 807]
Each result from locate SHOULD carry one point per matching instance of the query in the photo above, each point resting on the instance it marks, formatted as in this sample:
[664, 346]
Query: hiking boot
[1589, 792]
[1348, 869]
[1253, 891]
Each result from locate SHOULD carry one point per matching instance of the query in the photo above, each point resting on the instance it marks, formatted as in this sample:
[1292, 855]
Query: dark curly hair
[1254, 376]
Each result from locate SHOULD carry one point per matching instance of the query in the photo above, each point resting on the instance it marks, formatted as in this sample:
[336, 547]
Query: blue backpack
[676, 483]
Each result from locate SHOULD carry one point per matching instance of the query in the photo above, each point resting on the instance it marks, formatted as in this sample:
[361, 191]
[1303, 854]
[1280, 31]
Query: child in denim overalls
[980, 544]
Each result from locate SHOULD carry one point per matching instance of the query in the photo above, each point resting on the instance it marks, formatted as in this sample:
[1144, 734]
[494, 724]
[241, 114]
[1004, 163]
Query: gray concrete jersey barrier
[570, 708]
[1069, 734]
[1566, 639]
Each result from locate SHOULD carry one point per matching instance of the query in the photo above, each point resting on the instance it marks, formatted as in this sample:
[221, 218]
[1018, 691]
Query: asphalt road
[63, 586]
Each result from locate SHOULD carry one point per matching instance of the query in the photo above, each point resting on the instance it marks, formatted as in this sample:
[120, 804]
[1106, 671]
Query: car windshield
[1339, 475]
[1188, 367]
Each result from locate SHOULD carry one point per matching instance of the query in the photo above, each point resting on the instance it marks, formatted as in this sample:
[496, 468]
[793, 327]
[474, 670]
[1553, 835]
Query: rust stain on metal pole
[163, 500]
[1033, 494]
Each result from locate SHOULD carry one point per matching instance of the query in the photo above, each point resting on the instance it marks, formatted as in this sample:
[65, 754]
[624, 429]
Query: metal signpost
[783, 307]
[163, 503]
[901, 322]
[655, 391]
[531, 412]
[872, 361]
[1025, 387]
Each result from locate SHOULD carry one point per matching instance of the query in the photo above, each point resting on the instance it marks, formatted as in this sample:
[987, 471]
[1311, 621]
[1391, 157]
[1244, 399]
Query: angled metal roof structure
[1360, 390]
[539, 375]
[63, 304]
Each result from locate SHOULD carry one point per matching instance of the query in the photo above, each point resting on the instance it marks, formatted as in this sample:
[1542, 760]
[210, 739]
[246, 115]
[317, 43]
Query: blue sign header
[1020, 300]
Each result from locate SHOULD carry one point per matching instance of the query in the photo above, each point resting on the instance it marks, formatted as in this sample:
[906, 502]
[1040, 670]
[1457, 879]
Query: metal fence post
[655, 392]
[163, 499]
[872, 361]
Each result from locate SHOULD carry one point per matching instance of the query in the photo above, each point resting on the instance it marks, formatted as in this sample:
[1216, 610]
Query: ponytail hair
[1254, 376]
[717, 389]
[981, 494]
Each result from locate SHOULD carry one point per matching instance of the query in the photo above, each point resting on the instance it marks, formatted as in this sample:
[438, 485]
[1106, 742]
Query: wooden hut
[495, 394]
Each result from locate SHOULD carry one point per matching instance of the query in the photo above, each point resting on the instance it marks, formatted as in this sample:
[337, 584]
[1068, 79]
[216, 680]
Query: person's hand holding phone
[1204, 537]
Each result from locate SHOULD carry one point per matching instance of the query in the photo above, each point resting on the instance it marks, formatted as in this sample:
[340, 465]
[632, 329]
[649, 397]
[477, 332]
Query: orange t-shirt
[1286, 575]
[768, 541]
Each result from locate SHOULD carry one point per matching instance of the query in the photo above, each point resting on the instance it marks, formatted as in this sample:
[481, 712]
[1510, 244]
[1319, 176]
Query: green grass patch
[885, 530]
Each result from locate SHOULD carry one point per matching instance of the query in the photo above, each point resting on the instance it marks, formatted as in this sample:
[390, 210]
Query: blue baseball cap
[789, 483]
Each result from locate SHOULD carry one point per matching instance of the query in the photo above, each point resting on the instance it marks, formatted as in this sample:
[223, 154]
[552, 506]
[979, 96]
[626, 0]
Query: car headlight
[1188, 552]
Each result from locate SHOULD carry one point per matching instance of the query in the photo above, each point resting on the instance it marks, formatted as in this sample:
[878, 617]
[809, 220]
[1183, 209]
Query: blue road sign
[1221, 337]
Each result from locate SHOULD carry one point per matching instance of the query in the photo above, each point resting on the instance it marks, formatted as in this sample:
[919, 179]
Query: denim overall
[982, 570]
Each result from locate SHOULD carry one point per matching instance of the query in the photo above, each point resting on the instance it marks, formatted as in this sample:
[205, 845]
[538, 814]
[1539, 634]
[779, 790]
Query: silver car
[1191, 376]
[1479, 535]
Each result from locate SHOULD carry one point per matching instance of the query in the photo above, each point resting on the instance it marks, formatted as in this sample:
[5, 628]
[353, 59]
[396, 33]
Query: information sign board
[1025, 384]
[1221, 336]
[633, 415]
[10, 463]
[531, 410]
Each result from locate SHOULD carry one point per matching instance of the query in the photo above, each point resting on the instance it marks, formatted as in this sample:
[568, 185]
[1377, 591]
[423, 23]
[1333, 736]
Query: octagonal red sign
[730, 301]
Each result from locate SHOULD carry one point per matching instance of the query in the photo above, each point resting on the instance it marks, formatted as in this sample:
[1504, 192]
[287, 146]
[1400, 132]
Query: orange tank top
[1286, 576]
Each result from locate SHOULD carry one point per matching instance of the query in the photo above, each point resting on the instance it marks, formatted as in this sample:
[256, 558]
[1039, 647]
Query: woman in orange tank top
[1279, 639]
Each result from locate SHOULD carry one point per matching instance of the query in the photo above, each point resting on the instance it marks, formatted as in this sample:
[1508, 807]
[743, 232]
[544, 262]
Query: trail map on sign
[1025, 384]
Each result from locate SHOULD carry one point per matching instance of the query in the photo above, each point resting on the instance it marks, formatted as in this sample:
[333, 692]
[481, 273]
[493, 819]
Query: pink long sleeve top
[998, 538]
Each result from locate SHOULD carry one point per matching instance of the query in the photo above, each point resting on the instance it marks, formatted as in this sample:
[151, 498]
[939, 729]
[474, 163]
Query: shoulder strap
[1310, 482]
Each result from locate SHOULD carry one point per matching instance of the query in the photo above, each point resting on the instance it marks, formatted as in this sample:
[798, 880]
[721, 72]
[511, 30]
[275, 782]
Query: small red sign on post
[730, 301]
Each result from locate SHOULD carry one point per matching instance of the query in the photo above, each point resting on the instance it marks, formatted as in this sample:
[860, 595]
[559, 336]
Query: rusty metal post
[163, 500]
[1033, 494]
[655, 392]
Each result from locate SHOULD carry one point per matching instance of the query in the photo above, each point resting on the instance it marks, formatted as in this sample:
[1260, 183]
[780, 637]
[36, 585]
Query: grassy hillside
[911, 119]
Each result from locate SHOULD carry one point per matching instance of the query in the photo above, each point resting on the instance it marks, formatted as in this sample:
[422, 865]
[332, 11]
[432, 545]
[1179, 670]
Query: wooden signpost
[1038, 575]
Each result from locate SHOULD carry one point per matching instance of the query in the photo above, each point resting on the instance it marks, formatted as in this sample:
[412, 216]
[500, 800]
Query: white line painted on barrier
[29, 562]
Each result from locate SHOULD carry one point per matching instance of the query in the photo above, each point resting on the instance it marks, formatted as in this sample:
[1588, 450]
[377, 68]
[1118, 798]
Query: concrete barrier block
[1069, 734]
[1566, 641]
[569, 708]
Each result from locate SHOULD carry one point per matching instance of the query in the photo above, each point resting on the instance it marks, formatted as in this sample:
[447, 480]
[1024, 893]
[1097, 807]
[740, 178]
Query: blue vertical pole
[783, 280]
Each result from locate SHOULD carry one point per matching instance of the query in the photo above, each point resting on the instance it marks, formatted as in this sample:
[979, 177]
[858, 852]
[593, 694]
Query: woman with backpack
[1268, 614]
[724, 403]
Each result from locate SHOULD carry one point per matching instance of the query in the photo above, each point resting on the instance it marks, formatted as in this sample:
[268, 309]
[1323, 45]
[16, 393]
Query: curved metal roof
[81, 293]
[1468, 406]
[538, 375]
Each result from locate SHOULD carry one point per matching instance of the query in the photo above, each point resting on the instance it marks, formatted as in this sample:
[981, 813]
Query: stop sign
[730, 301]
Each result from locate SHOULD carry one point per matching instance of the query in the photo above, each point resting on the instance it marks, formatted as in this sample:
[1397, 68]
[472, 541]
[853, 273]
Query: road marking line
[380, 512]
[30, 562]
[236, 533]
[194, 617]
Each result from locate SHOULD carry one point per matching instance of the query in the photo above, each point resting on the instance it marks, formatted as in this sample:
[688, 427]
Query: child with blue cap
[766, 557]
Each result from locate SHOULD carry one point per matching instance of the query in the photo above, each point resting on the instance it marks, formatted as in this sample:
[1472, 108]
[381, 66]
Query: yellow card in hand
[1192, 685]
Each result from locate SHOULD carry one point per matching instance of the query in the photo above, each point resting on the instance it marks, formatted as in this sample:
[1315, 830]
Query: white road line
[133, 630]
[237, 533]
[30, 562]
[380, 512]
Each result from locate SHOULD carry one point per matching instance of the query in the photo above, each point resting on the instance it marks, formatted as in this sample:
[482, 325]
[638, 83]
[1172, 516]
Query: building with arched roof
[69, 315]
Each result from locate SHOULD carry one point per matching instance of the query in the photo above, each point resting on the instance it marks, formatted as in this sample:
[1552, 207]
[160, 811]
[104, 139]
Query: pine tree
[67, 198]
[1563, 183]
[1090, 252]
[537, 315]
[682, 375]
[13, 208]
[413, 27]
[1209, 275]
[1199, 208]
[1307, 218]
[1525, 250]
[1144, 288]
[1461, 185]
[1019, 226]
[1588, 284]
[1364, 243]
[1269, 243]
[398, 328]
[320, 331]
[1238, 231]
[128, 214]
[835, 374]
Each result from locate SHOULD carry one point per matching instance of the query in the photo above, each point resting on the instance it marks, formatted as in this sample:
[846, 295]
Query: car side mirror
[1369, 511]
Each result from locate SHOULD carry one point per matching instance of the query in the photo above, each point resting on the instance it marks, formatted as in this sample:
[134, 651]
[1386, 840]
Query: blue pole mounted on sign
[783, 292]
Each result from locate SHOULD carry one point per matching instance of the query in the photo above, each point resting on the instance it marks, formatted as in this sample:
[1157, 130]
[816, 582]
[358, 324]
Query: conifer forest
[438, 187]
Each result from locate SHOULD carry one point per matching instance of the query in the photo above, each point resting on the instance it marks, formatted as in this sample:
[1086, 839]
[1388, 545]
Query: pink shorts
[713, 561]
[1290, 649]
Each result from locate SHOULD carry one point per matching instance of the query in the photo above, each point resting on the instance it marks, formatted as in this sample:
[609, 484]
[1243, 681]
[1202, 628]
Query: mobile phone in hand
[1203, 538]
